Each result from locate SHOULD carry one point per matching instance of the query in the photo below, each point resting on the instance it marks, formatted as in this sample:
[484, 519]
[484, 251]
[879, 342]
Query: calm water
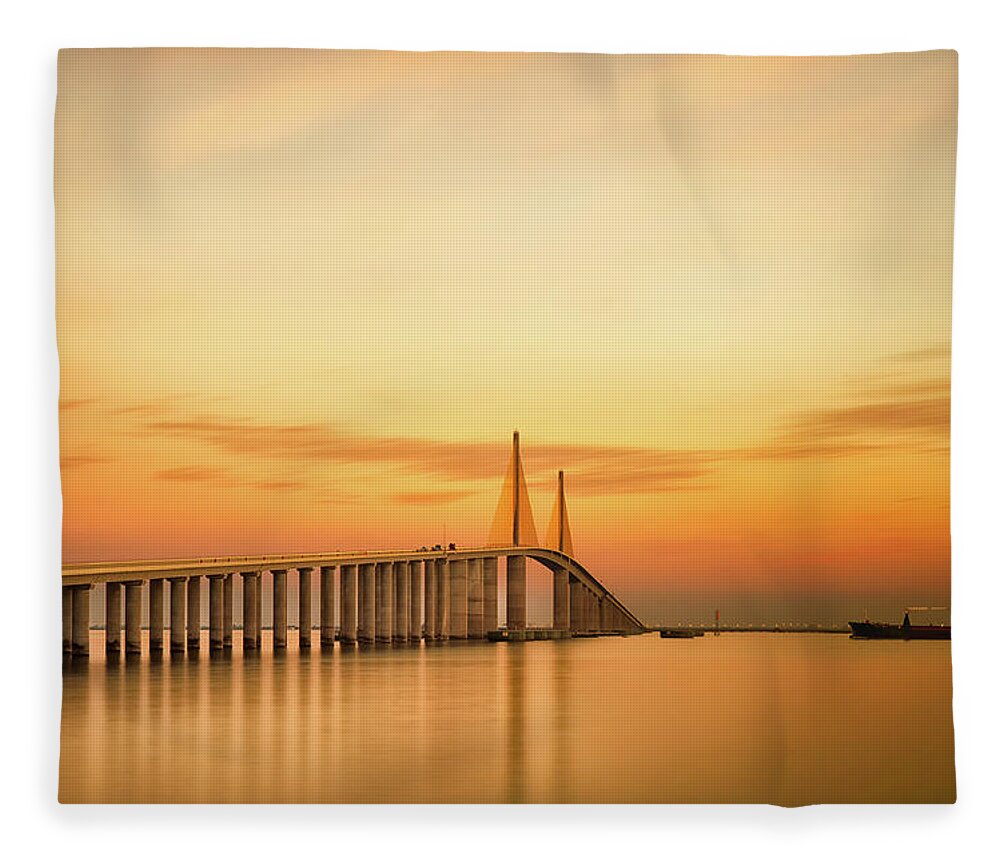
[738, 718]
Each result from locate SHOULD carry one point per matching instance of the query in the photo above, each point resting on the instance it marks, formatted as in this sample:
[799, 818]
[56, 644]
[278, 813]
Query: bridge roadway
[380, 597]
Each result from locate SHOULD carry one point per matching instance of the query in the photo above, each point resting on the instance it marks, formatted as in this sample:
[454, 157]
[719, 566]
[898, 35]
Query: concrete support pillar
[366, 603]
[400, 601]
[383, 602]
[67, 620]
[113, 617]
[517, 606]
[576, 617]
[430, 599]
[305, 607]
[279, 609]
[560, 599]
[441, 614]
[81, 620]
[416, 568]
[348, 603]
[491, 619]
[458, 611]
[155, 615]
[227, 611]
[250, 610]
[259, 621]
[194, 613]
[327, 606]
[215, 611]
[591, 610]
[177, 600]
[476, 629]
[133, 617]
[604, 614]
[614, 619]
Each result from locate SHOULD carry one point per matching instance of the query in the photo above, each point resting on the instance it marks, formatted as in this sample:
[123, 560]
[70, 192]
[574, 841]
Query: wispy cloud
[929, 353]
[915, 420]
[432, 498]
[597, 470]
[193, 473]
[79, 403]
[155, 406]
[922, 388]
[928, 415]
[223, 478]
[451, 460]
[74, 461]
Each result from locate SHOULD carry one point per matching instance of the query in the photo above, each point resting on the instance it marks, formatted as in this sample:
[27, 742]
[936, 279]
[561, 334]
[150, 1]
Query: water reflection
[787, 719]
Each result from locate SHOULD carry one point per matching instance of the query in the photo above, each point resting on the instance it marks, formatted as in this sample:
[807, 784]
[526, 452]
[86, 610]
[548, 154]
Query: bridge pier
[383, 602]
[517, 608]
[258, 627]
[177, 596]
[216, 585]
[458, 614]
[227, 611]
[576, 619]
[112, 617]
[416, 567]
[250, 611]
[327, 607]
[81, 620]
[621, 621]
[475, 612]
[560, 599]
[400, 601]
[348, 603]
[490, 619]
[279, 609]
[178, 584]
[366, 603]
[305, 607]
[430, 599]
[155, 615]
[441, 614]
[194, 613]
[133, 617]
[67, 620]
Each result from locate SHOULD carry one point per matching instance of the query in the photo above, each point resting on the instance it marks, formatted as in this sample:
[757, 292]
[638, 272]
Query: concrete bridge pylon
[513, 522]
[559, 536]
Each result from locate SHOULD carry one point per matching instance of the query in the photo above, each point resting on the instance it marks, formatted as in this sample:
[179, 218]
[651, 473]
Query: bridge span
[384, 595]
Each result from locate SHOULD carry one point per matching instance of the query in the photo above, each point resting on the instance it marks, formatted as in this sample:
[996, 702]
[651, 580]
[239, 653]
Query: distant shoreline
[760, 629]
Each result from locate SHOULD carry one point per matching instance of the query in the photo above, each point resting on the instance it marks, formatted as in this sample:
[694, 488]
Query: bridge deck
[90, 573]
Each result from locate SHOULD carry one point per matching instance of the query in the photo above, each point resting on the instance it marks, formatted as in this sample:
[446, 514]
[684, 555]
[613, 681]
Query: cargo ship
[680, 634]
[906, 630]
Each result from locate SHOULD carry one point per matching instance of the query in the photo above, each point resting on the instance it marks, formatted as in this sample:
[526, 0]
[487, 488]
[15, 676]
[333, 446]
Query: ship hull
[871, 630]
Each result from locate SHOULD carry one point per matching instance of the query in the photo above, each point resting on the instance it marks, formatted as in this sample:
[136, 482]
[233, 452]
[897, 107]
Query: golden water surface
[737, 718]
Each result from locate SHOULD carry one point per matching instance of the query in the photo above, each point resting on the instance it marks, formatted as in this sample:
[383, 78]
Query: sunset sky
[304, 297]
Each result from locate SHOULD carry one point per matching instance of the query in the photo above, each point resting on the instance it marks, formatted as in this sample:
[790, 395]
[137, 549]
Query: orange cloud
[192, 473]
[847, 431]
[74, 461]
[930, 415]
[437, 498]
[929, 353]
[79, 403]
[222, 477]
